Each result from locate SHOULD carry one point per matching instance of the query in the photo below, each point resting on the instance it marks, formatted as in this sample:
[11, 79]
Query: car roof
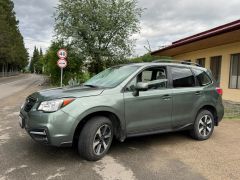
[146, 64]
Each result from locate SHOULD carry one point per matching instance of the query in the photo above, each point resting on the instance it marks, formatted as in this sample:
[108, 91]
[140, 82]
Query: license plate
[21, 121]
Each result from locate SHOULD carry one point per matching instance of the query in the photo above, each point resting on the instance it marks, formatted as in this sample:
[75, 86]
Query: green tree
[34, 61]
[99, 30]
[147, 58]
[39, 62]
[74, 67]
[13, 54]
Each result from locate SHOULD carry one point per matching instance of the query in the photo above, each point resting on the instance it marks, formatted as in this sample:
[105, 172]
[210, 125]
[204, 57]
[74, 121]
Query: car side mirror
[141, 86]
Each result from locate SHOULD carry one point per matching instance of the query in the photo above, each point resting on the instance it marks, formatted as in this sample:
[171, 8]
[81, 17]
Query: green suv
[125, 101]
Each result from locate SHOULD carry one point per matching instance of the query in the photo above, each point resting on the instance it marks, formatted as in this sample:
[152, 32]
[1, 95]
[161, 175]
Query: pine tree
[13, 54]
[34, 60]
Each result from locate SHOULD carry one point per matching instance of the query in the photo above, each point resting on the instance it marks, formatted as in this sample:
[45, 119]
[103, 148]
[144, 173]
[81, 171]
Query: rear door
[186, 96]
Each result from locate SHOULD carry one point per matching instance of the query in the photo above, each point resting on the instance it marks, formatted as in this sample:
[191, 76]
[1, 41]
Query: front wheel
[95, 138]
[203, 126]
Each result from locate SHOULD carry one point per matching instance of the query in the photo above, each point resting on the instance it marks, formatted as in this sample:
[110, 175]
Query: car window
[156, 78]
[202, 77]
[182, 77]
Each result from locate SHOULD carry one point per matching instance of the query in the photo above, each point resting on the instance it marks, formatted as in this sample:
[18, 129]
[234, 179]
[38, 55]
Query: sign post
[61, 76]
[62, 63]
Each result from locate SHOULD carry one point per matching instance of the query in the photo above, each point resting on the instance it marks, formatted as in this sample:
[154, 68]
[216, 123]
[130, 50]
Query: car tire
[95, 138]
[203, 125]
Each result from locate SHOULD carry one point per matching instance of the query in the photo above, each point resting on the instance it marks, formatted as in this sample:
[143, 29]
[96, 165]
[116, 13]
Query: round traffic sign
[62, 63]
[62, 53]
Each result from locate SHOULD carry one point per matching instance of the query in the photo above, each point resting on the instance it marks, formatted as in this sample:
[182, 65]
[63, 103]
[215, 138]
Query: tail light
[219, 91]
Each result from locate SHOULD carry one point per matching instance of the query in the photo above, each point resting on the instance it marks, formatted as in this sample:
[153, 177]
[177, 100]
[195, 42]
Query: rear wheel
[95, 138]
[203, 126]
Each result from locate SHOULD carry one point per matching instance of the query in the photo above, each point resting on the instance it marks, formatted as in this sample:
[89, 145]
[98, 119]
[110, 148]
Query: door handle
[166, 97]
[198, 92]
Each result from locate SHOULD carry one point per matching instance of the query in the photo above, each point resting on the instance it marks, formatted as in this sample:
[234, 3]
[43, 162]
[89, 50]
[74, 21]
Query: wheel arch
[212, 109]
[119, 132]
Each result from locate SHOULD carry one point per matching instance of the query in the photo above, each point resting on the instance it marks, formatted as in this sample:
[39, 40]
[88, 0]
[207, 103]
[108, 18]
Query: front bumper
[56, 129]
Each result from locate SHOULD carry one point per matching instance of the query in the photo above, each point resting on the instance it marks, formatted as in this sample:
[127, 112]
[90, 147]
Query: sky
[162, 22]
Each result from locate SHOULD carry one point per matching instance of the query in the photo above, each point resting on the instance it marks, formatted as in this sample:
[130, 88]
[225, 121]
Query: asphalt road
[165, 156]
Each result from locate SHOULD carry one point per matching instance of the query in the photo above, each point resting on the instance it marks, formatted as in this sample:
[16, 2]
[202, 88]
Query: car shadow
[45, 153]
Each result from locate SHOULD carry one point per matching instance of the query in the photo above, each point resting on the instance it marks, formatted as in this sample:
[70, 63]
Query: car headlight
[54, 105]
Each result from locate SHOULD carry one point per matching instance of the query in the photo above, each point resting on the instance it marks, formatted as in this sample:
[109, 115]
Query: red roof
[232, 26]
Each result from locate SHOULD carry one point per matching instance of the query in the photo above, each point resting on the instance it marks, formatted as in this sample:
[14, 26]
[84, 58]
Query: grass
[237, 118]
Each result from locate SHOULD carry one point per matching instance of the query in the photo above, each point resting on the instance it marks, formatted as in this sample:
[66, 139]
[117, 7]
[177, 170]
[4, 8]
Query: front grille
[30, 101]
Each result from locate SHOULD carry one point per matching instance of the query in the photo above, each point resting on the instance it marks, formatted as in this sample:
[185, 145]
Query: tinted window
[202, 77]
[182, 77]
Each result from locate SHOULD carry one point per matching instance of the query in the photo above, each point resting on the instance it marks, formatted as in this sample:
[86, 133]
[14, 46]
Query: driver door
[152, 109]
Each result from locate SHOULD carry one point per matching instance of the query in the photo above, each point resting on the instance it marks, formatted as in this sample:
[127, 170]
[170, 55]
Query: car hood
[56, 93]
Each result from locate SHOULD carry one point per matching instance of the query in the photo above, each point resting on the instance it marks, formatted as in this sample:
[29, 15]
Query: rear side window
[182, 77]
[202, 77]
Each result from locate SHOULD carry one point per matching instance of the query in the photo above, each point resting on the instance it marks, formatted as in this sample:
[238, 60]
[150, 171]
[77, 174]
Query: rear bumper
[220, 113]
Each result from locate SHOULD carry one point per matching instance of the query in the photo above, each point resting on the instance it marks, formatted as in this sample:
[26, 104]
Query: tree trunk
[2, 70]
[6, 70]
[97, 64]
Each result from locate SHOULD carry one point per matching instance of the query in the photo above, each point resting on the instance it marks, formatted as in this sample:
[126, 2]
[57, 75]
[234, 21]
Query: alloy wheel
[205, 125]
[102, 139]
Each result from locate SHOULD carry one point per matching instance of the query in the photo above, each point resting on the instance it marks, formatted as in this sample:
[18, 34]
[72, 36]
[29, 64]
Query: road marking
[13, 114]
[60, 169]
[5, 108]
[3, 177]
[109, 169]
[10, 170]
[3, 129]
[4, 136]
[23, 166]
[54, 176]
[57, 174]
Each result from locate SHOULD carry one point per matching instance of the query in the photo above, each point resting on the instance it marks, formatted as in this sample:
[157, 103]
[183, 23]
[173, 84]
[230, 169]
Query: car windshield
[111, 77]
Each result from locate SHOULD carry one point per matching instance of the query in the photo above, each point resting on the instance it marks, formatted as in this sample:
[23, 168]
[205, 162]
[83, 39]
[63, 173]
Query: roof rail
[176, 61]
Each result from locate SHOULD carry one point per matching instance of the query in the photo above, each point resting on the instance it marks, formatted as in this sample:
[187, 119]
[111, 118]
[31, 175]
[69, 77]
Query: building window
[235, 72]
[215, 66]
[201, 62]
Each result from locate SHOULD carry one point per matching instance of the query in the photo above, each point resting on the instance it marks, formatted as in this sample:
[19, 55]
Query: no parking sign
[62, 63]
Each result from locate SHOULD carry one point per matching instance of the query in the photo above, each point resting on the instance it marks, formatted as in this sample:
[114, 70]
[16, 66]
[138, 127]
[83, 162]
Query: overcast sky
[163, 21]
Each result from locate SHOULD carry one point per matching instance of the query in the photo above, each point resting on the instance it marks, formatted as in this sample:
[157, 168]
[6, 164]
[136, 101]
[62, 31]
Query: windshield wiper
[90, 85]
